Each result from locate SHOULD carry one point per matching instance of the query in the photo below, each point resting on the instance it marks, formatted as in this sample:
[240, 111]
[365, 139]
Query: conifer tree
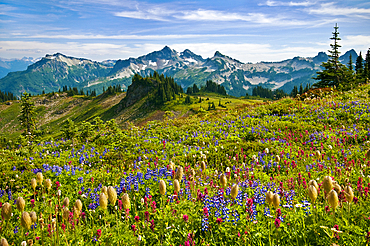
[27, 118]
[367, 65]
[359, 65]
[350, 63]
[334, 73]
[294, 92]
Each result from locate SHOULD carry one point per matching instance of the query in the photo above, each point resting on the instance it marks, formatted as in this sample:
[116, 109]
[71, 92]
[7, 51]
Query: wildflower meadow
[289, 172]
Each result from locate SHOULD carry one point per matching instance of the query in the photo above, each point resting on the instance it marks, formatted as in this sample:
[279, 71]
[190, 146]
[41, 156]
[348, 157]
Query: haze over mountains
[53, 72]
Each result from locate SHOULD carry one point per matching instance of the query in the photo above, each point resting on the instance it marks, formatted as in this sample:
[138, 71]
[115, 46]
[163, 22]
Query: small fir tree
[28, 114]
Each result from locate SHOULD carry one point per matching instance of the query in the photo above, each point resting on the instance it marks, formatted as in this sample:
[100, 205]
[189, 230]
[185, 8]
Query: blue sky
[250, 31]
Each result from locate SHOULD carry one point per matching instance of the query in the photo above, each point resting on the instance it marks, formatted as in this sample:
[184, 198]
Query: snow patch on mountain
[256, 80]
[191, 60]
[123, 74]
[154, 64]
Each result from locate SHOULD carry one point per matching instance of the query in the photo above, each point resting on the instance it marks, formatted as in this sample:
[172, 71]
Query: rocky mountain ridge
[54, 71]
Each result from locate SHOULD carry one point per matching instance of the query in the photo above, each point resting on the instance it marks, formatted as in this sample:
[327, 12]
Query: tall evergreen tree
[294, 92]
[359, 64]
[334, 73]
[367, 65]
[195, 89]
[334, 52]
[350, 63]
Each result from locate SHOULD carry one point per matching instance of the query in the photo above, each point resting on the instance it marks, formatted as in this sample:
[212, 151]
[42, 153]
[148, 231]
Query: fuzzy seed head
[65, 213]
[103, 201]
[176, 186]
[39, 177]
[333, 199]
[234, 191]
[203, 166]
[76, 212]
[126, 201]
[327, 183]
[179, 173]
[47, 184]
[112, 195]
[6, 211]
[20, 204]
[318, 154]
[162, 187]
[223, 180]
[172, 165]
[105, 190]
[33, 183]
[26, 220]
[66, 202]
[312, 193]
[313, 183]
[78, 204]
[3, 242]
[269, 196]
[337, 187]
[277, 158]
[33, 216]
[192, 174]
[276, 201]
[348, 193]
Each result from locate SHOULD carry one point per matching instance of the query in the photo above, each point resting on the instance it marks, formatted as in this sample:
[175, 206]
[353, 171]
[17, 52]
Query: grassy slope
[52, 112]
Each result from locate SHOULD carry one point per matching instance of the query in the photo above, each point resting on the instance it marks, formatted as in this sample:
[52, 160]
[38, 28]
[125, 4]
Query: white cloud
[140, 15]
[293, 4]
[331, 9]
[11, 49]
[358, 42]
[164, 14]
[134, 37]
[256, 18]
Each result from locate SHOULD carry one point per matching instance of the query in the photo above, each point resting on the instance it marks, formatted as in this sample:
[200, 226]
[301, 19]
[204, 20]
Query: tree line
[262, 92]
[7, 96]
[210, 86]
[164, 88]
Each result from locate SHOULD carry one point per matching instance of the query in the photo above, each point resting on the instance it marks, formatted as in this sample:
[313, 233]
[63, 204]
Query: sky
[247, 30]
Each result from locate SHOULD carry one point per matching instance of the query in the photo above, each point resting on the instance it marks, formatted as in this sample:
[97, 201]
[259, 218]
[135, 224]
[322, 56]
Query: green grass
[52, 116]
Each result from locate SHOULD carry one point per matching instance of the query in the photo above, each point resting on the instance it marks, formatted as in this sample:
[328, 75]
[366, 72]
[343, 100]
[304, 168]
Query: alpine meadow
[171, 148]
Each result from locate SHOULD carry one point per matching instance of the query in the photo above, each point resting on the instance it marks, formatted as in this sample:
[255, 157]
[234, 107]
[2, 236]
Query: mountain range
[13, 65]
[52, 72]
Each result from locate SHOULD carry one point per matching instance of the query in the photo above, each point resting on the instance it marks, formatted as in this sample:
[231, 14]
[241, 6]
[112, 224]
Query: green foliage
[210, 86]
[85, 130]
[69, 130]
[7, 96]
[28, 114]
[334, 73]
[262, 92]
[161, 89]
[261, 147]
[188, 100]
